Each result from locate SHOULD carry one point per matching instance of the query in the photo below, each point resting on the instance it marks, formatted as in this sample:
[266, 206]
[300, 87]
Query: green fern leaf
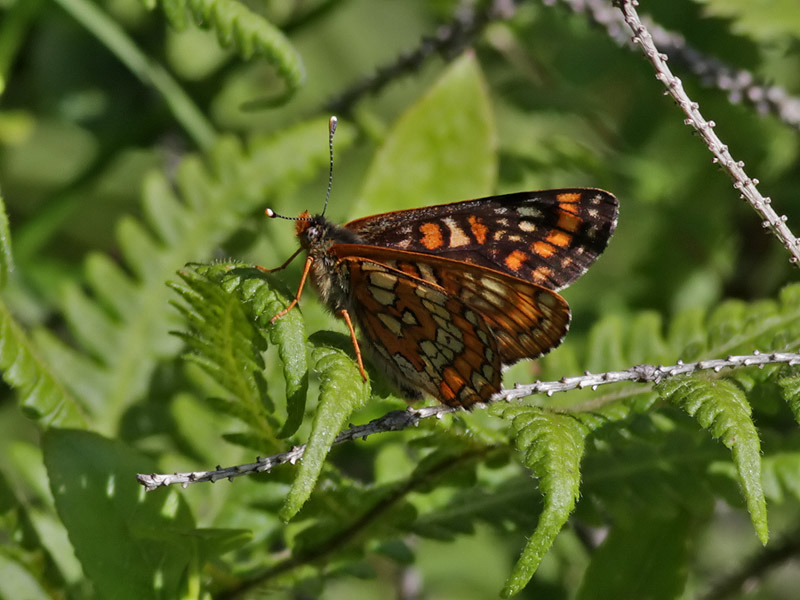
[341, 392]
[41, 395]
[720, 406]
[262, 300]
[552, 447]
[790, 387]
[210, 203]
[227, 346]
[248, 32]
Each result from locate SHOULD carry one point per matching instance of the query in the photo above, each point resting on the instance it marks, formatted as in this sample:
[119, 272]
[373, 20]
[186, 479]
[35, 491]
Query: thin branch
[449, 40]
[741, 85]
[743, 183]
[402, 419]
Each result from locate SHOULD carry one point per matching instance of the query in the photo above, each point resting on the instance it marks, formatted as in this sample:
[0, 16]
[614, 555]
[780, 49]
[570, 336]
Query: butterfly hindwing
[549, 237]
[429, 340]
[525, 319]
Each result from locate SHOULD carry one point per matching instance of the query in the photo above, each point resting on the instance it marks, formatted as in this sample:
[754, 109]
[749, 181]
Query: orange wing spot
[543, 249]
[431, 236]
[568, 221]
[479, 230]
[569, 198]
[515, 259]
[559, 238]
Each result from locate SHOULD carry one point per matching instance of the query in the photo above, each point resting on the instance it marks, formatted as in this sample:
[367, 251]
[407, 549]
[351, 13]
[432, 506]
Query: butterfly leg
[294, 302]
[283, 266]
[346, 317]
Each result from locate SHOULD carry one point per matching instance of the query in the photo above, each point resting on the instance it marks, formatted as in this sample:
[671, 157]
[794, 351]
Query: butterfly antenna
[331, 130]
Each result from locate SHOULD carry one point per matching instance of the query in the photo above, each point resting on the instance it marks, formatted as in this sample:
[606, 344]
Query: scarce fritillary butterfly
[446, 295]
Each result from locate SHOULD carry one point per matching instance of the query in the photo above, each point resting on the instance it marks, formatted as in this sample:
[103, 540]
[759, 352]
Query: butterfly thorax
[317, 235]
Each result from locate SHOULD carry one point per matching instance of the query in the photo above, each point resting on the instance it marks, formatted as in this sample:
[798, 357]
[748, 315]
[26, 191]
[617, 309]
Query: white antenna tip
[270, 213]
[332, 124]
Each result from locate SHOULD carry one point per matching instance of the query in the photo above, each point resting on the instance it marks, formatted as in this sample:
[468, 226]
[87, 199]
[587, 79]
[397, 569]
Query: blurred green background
[106, 106]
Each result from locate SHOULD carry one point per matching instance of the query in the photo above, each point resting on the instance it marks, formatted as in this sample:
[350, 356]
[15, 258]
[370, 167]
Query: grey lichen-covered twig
[449, 40]
[403, 419]
[744, 184]
[740, 85]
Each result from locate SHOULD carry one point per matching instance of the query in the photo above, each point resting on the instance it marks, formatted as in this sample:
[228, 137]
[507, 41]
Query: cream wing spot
[488, 372]
[449, 341]
[457, 236]
[426, 272]
[529, 211]
[382, 280]
[409, 318]
[391, 324]
[384, 297]
[428, 348]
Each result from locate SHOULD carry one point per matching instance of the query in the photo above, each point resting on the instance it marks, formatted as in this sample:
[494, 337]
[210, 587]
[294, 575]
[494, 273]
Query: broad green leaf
[720, 407]
[645, 558]
[552, 447]
[442, 149]
[341, 392]
[131, 544]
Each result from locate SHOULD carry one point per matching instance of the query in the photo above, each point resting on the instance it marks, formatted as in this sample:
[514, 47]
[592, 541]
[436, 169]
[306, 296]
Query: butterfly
[446, 295]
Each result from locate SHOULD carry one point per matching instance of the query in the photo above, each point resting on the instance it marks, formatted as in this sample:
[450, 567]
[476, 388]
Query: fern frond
[721, 407]
[228, 309]
[341, 392]
[246, 31]
[204, 210]
[263, 300]
[227, 346]
[552, 447]
[790, 387]
[41, 395]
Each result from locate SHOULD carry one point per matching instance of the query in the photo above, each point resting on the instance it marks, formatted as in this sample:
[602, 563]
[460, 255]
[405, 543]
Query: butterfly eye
[313, 233]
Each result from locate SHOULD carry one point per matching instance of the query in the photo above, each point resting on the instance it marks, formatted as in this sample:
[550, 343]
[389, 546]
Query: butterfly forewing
[526, 320]
[549, 237]
[429, 339]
